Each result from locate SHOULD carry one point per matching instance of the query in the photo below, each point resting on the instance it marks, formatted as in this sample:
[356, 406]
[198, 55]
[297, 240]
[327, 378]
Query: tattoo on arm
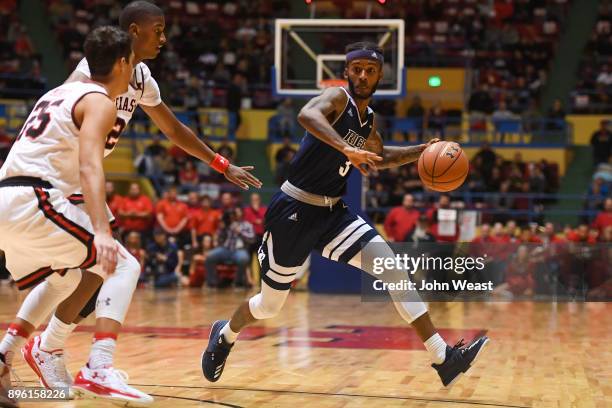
[395, 156]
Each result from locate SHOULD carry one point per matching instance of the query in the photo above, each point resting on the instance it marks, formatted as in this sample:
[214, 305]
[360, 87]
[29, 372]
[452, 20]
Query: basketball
[443, 166]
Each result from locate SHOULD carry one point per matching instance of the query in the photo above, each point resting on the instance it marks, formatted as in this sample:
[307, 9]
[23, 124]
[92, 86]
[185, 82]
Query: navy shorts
[294, 229]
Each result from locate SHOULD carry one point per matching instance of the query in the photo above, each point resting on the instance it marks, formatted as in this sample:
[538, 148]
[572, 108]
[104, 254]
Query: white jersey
[143, 90]
[48, 146]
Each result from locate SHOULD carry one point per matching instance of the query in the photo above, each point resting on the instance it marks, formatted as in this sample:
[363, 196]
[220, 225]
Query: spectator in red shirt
[6, 142]
[203, 221]
[113, 200]
[134, 246]
[519, 276]
[401, 220]
[255, 214]
[485, 236]
[443, 202]
[136, 211]
[432, 216]
[188, 177]
[226, 202]
[23, 45]
[511, 231]
[549, 236]
[178, 155]
[527, 237]
[489, 246]
[193, 203]
[173, 216]
[197, 268]
[581, 234]
[606, 235]
[604, 218]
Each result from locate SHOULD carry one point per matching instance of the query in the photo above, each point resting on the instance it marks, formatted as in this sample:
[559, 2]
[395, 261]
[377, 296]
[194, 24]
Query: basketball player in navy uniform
[309, 214]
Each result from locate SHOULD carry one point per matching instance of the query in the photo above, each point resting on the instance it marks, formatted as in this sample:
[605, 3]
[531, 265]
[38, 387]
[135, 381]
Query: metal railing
[488, 203]
[471, 129]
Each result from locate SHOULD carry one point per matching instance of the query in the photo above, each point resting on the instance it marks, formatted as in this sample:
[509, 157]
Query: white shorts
[77, 199]
[42, 233]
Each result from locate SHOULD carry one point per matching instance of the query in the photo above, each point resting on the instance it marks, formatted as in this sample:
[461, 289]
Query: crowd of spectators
[522, 261]
[509, 43]
[490, 180]
[216, 53]
[20, 74]
[540, 261]
[412, 219]
[172, 166]
[220, 52]
[593, 93]
[601, 184]
[191, 239]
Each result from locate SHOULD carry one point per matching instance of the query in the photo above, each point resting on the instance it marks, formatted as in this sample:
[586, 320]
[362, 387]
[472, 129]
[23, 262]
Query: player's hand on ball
[362, 160]
[432, 141]
[242, 177]
[107, 252]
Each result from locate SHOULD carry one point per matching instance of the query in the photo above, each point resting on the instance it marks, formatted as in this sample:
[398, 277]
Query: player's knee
[90, 306]
[265, 307]
[131, 268]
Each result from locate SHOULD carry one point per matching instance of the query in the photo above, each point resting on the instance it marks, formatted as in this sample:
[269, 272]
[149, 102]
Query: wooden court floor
[335, 351]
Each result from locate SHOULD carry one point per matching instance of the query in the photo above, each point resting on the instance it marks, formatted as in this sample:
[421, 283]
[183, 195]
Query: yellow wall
[584, 126]
[254, 124]
[453, 79]
[557, 155]
[449, 94]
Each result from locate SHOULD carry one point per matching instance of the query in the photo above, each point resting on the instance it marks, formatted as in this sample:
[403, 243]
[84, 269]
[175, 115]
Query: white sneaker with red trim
[5, 383]
[108, 383]
[49, 366]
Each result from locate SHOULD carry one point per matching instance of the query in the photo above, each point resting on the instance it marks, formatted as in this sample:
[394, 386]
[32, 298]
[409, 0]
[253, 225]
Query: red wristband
[219, 163]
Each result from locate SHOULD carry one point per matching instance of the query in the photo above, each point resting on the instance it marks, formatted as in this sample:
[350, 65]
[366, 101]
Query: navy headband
[365, 54]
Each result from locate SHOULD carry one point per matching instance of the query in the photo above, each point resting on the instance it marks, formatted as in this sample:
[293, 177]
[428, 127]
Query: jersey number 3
[343, 170]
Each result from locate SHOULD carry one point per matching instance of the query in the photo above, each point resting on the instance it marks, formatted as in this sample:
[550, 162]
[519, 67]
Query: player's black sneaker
[459, 359]
[213, 358]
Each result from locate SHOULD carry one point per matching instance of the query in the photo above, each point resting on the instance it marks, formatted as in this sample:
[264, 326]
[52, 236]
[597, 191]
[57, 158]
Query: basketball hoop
[330, 83]
[307, 39]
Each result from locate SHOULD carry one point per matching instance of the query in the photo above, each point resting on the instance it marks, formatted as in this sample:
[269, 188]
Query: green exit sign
[434, 81]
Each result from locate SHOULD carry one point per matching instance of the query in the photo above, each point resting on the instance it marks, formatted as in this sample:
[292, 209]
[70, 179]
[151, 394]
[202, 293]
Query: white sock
[102, 353]
[228, 334]
[437, 348]
[55, 335]
[12, 341]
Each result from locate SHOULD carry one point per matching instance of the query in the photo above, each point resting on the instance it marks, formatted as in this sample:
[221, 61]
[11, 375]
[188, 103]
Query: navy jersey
[320, 169]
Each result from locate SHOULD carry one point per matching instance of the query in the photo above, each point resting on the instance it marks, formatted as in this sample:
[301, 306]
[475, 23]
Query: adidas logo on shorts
[293, 217]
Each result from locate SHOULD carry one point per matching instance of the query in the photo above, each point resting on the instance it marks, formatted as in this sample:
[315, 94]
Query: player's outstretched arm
[96, 114]
[394, 156]
[316, 117]
[183, 137]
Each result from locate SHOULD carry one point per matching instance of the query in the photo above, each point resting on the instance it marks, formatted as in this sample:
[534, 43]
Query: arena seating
[20, 75]
[593, 93]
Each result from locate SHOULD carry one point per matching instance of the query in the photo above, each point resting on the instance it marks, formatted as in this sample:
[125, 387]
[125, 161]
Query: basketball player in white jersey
[59, 152]
[145, 24]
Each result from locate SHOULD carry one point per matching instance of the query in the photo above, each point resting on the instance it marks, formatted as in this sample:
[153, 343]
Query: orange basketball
[443, 166]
